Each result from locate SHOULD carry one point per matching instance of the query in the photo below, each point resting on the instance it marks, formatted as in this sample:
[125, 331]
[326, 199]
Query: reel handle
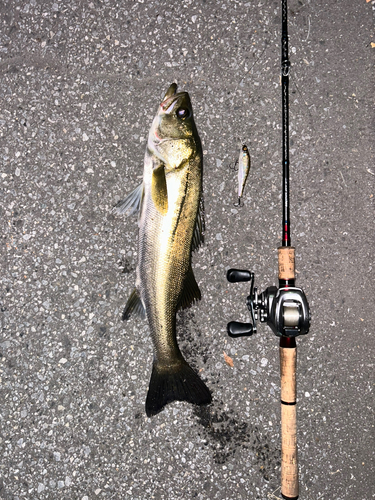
[237, 329]
[237, 275]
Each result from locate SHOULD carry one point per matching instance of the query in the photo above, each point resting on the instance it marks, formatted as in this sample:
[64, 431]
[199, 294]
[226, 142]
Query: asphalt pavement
[80, 84]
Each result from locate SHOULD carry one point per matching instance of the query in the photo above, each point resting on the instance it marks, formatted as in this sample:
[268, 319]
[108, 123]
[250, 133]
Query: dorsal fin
[191, 291]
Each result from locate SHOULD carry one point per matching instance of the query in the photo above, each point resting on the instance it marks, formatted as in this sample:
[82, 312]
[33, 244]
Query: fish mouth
[172, 97]
[171, 91]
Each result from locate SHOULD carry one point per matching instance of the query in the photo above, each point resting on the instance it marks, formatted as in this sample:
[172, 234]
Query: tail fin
[179, 383]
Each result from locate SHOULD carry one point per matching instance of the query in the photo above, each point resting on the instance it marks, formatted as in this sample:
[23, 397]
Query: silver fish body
[170, 228]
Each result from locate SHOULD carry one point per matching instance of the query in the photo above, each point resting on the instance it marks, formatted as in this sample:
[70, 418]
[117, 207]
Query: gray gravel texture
[80, 84]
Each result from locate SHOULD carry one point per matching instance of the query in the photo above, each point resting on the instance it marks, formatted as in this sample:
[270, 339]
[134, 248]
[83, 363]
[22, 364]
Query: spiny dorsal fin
[198, 236]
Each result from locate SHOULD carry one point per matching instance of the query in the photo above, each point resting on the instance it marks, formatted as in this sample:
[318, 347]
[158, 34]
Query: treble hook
[240, 202]
[234, 166]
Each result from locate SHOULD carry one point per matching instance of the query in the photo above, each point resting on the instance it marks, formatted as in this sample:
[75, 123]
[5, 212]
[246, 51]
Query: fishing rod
[285, 309]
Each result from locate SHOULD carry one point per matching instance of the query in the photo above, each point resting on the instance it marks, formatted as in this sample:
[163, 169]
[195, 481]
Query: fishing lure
[243, 171]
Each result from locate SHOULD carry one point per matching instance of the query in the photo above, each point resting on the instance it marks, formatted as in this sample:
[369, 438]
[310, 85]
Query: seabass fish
[169, 202]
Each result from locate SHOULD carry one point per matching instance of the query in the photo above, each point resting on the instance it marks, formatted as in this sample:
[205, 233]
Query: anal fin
[134, 305]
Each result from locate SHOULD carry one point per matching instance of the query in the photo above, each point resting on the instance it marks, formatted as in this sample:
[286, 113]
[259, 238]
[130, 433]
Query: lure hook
[234, 166]
[240, 203]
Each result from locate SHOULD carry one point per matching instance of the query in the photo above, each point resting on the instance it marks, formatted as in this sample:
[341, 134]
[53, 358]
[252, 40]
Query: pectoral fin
[191, 291]
[131, 204]
[159, 193]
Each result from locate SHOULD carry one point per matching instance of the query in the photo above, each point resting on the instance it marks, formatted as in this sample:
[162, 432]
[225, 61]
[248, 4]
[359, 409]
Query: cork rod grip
[286, 263]
[289, 459]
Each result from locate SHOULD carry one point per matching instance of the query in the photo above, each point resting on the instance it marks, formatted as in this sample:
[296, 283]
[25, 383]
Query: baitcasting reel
[284, 309]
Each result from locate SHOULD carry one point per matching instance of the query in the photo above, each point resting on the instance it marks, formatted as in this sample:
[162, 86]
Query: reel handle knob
[237, 329]
[237, 275]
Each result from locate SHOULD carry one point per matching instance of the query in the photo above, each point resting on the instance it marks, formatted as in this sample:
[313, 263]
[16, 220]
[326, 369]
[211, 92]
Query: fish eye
[182, 113]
